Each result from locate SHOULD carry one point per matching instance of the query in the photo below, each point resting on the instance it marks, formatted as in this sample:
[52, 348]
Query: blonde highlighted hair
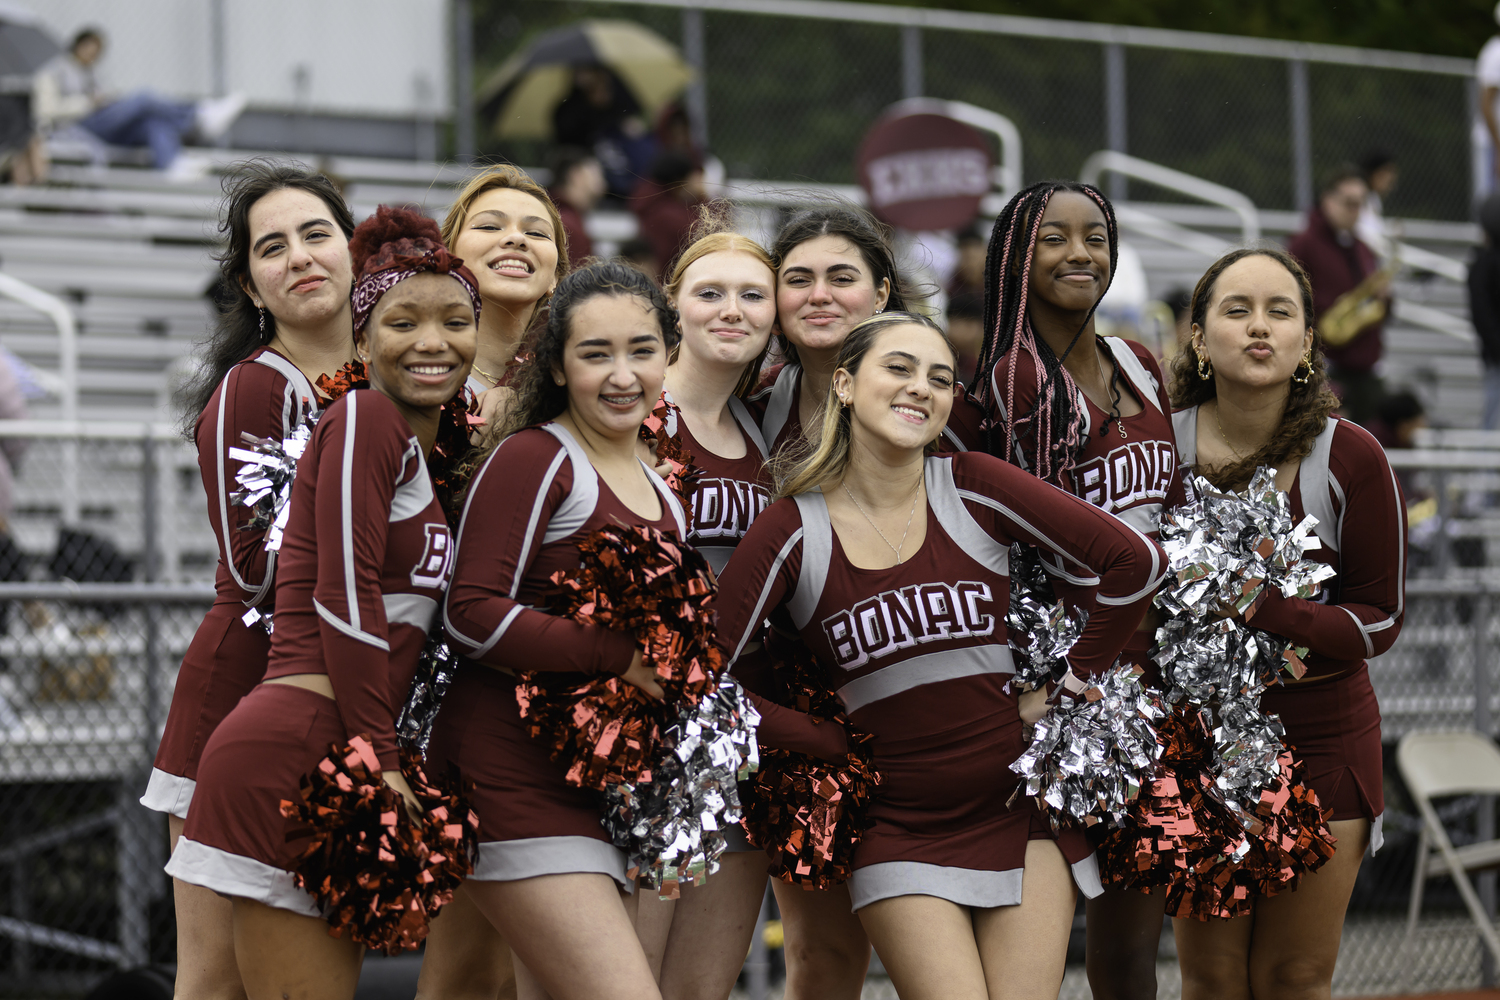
[800, 470]
[712, 235]
[503, 175]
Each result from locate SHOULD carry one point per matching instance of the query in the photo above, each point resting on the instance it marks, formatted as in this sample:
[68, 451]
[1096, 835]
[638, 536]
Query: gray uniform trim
[412, 496]
[1146, 387]
[1058, 568]
[717, 556]
[513, 860]
[946, 503]
[476, 385]
[346, 500]
[169, 793]
[236, 875]
[578, 506]
[779, 405]
[997, 399]
[1086, 877]
[409, 609]
[963, 886]
[753, 622]
[349, 630]
[746, 420]
[928, 668]
[817, 552]
[1314, 477]
[1185, 430]
[1146, 518]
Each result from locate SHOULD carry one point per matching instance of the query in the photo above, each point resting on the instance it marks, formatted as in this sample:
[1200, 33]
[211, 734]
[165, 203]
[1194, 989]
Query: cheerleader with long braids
[286, 272]
[1089, 414]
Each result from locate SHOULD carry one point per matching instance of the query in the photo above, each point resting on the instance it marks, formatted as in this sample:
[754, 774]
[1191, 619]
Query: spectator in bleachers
[966, 329]
[601, 114]
[666, 205]
[1351, 294]
[577, 186]
[67, 94]
[1180, 301]
[972, 244]
[1381, 172]
[1484, 305]
[1486, 133]
[637, 253]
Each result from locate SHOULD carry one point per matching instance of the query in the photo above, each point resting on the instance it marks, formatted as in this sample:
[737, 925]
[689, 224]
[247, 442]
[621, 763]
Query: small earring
[262, 311]
[879, 310]
[1306, 362]
[1205, 368]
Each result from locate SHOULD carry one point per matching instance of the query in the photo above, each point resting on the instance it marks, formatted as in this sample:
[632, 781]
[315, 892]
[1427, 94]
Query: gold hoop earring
[1306, 362]
[1205, 368]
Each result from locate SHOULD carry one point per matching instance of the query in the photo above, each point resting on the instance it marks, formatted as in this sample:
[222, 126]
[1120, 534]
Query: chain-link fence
[789, 89]
[90, 640]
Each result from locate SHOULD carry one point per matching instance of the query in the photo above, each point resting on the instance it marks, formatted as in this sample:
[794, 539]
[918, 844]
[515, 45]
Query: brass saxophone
[1360, 306]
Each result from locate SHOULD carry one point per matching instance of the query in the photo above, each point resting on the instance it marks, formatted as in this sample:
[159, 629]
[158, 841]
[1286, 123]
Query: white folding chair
[1436, 765]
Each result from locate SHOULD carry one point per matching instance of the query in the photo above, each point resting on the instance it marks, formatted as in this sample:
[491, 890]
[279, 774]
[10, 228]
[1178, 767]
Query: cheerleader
[1254, 393]
[1089, 414]
[286, 271]
[892, 567]
[506, 226]
[724, 289]
[547, 876]
[363, 564]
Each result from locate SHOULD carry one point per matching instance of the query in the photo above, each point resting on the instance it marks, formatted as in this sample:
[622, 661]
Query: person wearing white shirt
[1487, 129]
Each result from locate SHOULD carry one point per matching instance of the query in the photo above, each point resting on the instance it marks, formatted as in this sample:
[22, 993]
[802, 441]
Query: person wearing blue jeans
[144, 119]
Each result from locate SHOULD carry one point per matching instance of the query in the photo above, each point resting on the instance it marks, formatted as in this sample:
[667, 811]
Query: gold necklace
[1109, 392]
[916, 494]
[492, 380]
[1225, 437]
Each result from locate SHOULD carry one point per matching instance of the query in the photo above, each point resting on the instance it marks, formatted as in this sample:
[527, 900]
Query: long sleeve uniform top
[1347, 484]
[932, 629]
[774, 405]
[1132, 477]
[266, 396]
[529, 504]
[364, 563]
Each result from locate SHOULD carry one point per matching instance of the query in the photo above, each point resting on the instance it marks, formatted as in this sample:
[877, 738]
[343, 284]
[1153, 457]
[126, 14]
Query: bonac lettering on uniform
[437, 559]
[1135, 472]
[725, 508]
[899, 619]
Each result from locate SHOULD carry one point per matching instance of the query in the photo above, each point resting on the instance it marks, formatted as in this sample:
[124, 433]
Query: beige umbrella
[522, 94]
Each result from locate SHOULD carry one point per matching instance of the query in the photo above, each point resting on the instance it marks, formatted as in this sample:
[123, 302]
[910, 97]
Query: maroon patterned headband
[373, 284]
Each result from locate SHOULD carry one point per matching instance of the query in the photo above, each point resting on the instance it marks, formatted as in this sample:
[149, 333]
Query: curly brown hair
[1308, 404]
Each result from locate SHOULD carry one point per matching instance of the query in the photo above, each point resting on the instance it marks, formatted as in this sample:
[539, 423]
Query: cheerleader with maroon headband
[891, 563]
[1254, 394]
[724, 289]
[1089, 414]
[363, 563]
[286, 271]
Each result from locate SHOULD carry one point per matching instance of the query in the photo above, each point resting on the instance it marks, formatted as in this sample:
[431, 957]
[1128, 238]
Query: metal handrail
[1109, 160]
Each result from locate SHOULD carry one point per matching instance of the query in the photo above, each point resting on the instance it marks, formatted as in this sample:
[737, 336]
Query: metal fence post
[1116, 133]
[1301, 118]
[463, 81]
[694, 50]
[1484, 824]
[913, 83]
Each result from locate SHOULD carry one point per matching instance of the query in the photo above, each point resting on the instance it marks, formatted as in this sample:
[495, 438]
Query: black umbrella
[24, 44]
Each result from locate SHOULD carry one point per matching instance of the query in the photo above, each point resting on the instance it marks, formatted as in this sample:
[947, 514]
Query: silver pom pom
[265, 475]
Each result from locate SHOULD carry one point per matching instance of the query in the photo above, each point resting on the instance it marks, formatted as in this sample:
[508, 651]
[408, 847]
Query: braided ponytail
[1054, 425]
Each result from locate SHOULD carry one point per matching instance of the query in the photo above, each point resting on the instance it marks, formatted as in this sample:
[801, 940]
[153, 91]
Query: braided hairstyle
[1054, 425]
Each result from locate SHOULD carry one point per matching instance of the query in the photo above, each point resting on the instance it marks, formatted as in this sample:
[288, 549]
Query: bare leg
[711, 930]
[1025, 947]
[572, 933]
[827, 950]
[1296, 939]
[927, 945]
[1124, 933]
[206, 967]
[652, 917]
[466, 958]
[286, 956]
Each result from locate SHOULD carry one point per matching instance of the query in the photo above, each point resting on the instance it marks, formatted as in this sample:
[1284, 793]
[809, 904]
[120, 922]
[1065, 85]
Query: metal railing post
[695, 51]
[1116, 133]
[1484, 824]
[1301, 120]
[913, 81]
[463, 81]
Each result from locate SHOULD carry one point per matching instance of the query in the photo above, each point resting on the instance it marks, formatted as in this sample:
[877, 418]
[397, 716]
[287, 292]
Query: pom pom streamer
[808, 813]
[437, 665]
[671, 825]
[379, 875]
[1090, 756]
[640, 581]
[662, 427]
[1040, 628]
[267, 470]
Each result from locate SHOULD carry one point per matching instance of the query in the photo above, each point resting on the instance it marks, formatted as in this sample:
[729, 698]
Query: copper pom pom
[447, 464]
[378, 875]
[663, 427]
[637, 580]
[810, 813]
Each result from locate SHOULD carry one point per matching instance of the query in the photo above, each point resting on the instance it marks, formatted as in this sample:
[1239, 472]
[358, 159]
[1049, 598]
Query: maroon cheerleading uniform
[774, 404]
[728, 493]
[364, 562]
[266, 396]
[530, 503]
[917, 654]
[1331, 717]
[1132, 477]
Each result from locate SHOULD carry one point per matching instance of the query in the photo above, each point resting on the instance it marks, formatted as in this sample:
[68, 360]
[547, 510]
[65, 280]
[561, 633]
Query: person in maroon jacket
[577, 185]
[1089, 414]
[724, 289]
[891, 563]
[286, 271]
[666, 204]
[363, 563]
[1336, 261]
[1253, 394]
